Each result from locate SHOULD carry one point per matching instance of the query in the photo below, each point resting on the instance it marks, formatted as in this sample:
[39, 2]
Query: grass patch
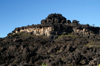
[64, 38]
[69, 35]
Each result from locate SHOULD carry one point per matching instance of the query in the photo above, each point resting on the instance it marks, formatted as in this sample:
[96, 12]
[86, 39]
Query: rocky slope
[24, 49]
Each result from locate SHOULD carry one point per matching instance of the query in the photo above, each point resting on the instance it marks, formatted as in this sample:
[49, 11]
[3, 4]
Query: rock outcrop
[56, 24]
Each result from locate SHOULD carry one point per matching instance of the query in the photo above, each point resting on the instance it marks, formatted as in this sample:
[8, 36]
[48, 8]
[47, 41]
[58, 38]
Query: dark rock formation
[56, 24]
[75, 22]
[68, 22]
[54, 19]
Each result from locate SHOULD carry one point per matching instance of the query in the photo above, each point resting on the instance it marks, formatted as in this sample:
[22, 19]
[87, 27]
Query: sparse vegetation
[64, 38]
[44, 64]
[69, 35]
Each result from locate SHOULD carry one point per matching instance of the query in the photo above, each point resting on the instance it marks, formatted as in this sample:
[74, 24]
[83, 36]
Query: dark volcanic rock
[54, 18]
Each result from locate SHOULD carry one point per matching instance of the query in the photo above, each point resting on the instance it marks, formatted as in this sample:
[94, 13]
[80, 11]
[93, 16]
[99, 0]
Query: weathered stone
[55, 18]
[43, 22]
[56, 24]
[75, 22]
[68, 22]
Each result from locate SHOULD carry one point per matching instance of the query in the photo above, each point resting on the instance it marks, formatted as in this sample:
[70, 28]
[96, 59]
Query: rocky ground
[24, 49]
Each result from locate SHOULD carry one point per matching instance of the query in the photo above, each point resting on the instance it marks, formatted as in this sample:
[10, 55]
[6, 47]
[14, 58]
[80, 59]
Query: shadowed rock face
[56, 24]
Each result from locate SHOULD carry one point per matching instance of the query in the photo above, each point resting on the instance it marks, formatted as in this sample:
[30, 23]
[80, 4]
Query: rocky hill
[56, 24]
[55, 42]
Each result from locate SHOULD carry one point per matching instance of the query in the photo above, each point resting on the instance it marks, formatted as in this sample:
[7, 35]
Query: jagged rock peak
[54, 18]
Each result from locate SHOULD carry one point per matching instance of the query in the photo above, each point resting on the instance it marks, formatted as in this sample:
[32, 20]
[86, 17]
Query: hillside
[61, 48]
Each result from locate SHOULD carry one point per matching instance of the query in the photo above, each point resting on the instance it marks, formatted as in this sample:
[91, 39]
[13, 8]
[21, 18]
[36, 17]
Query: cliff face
[45, 31]
[56, 24]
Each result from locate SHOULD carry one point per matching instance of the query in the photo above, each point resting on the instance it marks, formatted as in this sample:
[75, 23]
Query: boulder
[68, 22]
[75, 22]
[43, 21]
